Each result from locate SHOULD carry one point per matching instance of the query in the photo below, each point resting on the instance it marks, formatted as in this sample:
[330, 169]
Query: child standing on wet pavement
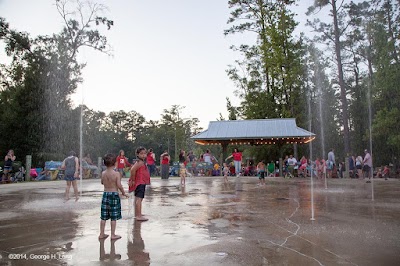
[71, 167]
[111, 203]
[182, 167]
[140, 177]
[261, 173]
[225, 169]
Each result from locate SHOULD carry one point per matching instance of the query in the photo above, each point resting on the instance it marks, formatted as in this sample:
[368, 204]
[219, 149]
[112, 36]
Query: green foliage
[37, 84]
[233, 111]
[36, 111]
[179, 130]
[277, 77]
[269, 76]
[385, 131]
[322, 101]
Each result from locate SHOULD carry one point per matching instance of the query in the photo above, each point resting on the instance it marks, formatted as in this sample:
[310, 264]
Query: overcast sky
[164, 53]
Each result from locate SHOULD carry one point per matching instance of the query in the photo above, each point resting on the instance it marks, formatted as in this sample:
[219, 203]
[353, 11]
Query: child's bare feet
[66, 199]
[76, 199]
[104, 236]
[141, 219]
[115, 237]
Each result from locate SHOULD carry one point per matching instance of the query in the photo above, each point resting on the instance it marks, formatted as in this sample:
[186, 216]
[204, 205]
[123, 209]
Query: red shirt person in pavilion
[237, 160]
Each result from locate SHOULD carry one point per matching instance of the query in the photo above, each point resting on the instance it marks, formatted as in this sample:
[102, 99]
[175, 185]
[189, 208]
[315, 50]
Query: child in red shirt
[121, 163]
[386, 172]
[140, 177]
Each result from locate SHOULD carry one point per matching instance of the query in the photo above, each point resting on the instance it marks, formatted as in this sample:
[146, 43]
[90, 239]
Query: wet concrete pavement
[208, 222]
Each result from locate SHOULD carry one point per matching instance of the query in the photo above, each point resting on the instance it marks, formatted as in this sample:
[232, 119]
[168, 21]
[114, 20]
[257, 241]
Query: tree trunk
[390, 30]
[341, 81]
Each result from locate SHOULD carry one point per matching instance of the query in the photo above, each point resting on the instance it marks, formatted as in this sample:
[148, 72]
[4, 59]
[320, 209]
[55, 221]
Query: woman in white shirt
[207, 157]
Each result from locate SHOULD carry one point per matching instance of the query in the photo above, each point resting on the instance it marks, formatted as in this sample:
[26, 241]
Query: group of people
[184, 158]
[111, 180]
[207, 157]
[359, 166]
[122, 162]
[291, 165]
[139, 178]
[8, 164]
[12, 170]
[143, 167]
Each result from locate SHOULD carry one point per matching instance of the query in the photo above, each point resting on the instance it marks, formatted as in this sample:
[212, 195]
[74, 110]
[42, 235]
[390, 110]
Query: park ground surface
[207, 222]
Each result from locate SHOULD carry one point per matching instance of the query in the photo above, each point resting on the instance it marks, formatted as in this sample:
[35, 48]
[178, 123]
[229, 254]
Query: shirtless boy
[225, 171]
[111, 203]
[261, 173]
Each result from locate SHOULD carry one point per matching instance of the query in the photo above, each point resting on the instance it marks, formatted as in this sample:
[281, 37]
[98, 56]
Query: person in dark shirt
[8, 162]
[71, 167]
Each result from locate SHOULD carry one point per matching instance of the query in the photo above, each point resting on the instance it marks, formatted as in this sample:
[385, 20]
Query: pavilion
[278, 131]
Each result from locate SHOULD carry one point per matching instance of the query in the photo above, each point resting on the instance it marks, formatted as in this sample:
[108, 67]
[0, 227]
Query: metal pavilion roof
[257, 131]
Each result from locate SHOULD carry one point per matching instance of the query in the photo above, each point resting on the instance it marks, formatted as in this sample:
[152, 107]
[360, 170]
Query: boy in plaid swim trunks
[111, 203]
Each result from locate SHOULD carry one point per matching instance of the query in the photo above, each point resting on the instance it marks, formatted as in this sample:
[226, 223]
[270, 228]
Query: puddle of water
[220, 223]
[223, 196]
[332, 190]
[58, 204]
[8, 215]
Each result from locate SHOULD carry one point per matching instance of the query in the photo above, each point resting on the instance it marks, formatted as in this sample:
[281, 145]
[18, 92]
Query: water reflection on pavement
[207, 222]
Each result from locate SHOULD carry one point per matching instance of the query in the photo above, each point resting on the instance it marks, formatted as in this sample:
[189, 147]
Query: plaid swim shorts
[110, 206]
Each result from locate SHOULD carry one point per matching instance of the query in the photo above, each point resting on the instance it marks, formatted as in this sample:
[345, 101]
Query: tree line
[342, 83]
[36, 112]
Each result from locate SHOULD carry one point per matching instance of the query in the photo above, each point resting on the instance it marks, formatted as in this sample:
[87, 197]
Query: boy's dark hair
[109, 159]
[72, 153]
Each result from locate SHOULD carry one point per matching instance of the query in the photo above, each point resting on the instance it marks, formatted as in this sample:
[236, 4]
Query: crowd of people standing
[144, 166]
[359, 167]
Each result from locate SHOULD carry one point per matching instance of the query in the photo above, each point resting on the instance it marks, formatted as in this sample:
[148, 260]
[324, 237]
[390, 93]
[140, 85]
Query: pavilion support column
[224, 155]
[295, 153]
[280, 160]
[224, 151]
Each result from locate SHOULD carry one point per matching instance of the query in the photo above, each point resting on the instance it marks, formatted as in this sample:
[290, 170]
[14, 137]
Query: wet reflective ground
[208, 222]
